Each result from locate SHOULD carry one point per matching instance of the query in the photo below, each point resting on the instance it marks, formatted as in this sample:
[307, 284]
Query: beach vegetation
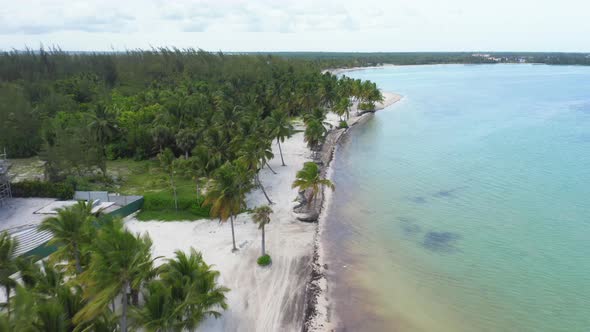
[119, 271]
[72, 229]
[280, 128]
[264, 260]
[226, 193]
[8, 264]
[261, 216]
[309, 179]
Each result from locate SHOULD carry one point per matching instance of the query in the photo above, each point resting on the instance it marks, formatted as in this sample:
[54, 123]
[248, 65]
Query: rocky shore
[317, 306]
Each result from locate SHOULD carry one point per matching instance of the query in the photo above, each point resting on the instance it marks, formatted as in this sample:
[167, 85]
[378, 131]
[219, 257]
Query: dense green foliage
[309, 179]
[78, 110]
[60, 190]
[350, 59]
[79, 288]
[160, 206]
[194, 110]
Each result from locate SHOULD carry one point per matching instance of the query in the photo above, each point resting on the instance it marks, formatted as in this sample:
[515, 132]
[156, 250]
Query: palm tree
[280, 128]
[121, 262]
[254, 154]
[72, 228]
[309, 178]
[314, 134]
[227, 193]
[261, 216]
[8, 265]
[166, 159]
[103, 127]
[186, 140]
[186, 293]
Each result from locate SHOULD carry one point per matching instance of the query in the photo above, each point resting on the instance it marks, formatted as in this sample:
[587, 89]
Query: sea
[466, 205]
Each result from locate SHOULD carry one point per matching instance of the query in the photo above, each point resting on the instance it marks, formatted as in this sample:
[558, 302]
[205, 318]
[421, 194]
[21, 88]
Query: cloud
[43, 22]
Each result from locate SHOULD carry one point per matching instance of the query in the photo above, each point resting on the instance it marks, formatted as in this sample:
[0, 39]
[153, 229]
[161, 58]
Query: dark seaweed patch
[447, 193]
[409, 226]
[442, 242]
[418, 199]
[411, 229]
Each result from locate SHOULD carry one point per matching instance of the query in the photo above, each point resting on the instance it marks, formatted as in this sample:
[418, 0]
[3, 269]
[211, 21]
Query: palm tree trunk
[281, 152]
[7, 288]
[233, 236]
[272, 170]
[77, 258]
[123, 322]
[198, 189]
[263, 249]
[174, 191]
[262, 187]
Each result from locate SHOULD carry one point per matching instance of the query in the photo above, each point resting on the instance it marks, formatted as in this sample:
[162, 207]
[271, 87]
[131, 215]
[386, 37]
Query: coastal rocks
[306, 212]
[310, 211]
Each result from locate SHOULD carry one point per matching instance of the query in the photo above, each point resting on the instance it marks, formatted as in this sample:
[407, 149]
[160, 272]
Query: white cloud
[249, 25]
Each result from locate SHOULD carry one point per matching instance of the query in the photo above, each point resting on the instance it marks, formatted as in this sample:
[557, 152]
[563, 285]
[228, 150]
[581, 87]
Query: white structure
[5, 192]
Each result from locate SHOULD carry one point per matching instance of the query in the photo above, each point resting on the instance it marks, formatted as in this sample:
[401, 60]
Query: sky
[298, 25]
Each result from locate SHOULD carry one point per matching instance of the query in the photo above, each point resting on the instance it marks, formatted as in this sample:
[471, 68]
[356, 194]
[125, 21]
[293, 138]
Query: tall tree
[166, 159]
[72, 229]
[120, 263]
[8, 266]
[261, 216]
[254, 154]
[226, 193]
[280, 128]
[309, 178]
[186, 140]
[186, 293]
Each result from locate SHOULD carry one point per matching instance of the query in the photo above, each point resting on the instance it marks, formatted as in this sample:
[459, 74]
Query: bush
[264, 260]
[160, 206]
[343, 124]
[58, 190]
[367, 106]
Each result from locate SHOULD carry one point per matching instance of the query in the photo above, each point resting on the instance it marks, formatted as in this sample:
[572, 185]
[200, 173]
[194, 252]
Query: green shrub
[160, 206]
[58, 190]
[343, 124]
[367, 106]
[264, 260]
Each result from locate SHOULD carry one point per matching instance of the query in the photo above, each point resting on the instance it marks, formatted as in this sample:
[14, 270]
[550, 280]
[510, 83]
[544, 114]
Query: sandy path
[261, 299]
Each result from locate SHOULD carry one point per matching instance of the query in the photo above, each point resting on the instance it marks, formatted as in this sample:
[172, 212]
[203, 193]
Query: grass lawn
[147, 178]
[132, 177]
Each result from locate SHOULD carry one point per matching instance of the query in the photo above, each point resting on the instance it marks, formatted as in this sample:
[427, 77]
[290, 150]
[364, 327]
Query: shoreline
[319, 314]
[291, 294]
[338, 71]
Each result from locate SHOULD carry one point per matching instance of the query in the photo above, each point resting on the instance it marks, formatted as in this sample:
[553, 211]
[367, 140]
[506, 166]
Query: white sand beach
[261, 299]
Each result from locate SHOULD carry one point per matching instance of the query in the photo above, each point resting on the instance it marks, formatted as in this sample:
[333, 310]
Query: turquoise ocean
[465, 206]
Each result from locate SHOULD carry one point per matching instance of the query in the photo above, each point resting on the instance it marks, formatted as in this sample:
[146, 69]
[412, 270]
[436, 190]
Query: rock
[308, 217]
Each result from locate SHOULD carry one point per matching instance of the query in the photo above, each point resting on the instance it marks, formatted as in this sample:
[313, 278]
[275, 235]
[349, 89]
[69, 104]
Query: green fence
[46, 249]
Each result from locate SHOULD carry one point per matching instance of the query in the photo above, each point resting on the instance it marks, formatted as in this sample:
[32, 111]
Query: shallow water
[465, 207]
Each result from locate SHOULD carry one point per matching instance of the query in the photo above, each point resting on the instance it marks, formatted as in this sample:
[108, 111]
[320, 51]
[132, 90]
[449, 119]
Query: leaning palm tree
[261, 216]
[8, 266]
[280, 128]
[72, 229]
[309, 178]
[254, 154]
[120, 263]
[226, 194]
